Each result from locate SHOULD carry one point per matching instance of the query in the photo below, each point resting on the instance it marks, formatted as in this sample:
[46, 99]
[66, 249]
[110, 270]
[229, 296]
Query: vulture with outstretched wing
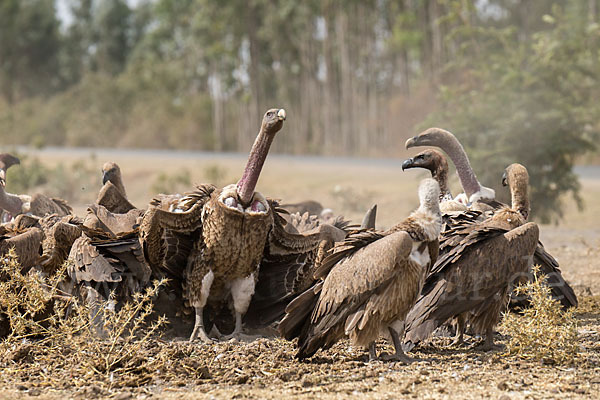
[368, 283]
[212, 240]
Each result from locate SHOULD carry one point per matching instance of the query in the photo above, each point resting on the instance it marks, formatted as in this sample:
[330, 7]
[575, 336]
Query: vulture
[478, 263]
[481, 206]
[112, 195]
[212, 240]
[38, 204]
[107, 257]
[368, 283]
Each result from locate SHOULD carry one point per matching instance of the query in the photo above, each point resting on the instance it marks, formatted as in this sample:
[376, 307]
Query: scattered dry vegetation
[543, 332]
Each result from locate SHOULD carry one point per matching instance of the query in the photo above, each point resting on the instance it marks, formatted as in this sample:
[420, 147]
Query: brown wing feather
[466, 280]
[355, 285]
[113, 199]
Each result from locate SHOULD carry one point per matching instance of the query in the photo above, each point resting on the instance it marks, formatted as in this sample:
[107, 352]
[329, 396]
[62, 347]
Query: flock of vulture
[237, 261]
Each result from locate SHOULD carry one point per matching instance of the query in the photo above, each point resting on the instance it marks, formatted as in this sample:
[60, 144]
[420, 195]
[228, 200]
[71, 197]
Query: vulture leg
[460, 329]
[399, 355]
[94, 300]
[488, 343]
[199, 331]
[242, 290]
[372, 352]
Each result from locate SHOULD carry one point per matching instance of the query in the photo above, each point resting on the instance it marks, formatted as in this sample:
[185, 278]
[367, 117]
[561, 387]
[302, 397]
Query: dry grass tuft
[65, 342]
[544, 332]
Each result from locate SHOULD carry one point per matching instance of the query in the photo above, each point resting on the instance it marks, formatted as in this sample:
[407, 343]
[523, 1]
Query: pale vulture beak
[410, 142]
[2, 177]
[281, 114]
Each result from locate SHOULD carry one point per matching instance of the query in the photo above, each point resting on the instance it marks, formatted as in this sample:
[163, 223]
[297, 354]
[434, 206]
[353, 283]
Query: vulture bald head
[110, 172]
[430, 137]
[516, 178]
[271, 124]
[6, 161]
[273, 120]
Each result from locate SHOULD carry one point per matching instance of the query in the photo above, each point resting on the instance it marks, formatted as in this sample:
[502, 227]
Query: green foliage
[531, 102]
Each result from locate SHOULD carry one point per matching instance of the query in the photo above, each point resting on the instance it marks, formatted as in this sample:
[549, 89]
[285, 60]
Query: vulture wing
[470, 276]
[358, 288]
[112, 198]
[287, 267]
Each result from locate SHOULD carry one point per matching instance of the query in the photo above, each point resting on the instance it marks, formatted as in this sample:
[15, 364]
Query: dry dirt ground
[266, 368]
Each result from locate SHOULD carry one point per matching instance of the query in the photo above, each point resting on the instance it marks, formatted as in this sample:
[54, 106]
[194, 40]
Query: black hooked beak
[407, 164]
[105, 177]
[504, 182]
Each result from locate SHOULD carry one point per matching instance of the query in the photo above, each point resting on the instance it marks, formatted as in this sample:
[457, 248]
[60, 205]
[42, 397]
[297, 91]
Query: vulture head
[271, 124]
[273, 120]
[429, 159]
[431, 137]
[110, 172]
[516, 178]
[6, 161]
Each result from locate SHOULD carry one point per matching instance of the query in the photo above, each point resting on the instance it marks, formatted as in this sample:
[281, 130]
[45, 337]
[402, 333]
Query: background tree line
[516, 80]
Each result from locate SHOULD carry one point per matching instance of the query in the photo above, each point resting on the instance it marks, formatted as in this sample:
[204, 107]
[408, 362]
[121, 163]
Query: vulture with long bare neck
[212, 240]
[38, 204]
[368, 283]
[479, 262]
[113, 195]
[435, 162]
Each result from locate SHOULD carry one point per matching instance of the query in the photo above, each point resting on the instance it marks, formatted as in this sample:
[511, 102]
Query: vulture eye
[270, 114]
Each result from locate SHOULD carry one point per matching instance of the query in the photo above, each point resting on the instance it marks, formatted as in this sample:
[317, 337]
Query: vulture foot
[399, 357]
[373, 352]
[199, 332]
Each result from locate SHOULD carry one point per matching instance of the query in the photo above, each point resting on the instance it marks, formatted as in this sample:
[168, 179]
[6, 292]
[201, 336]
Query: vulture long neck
[457, 154]
[10, 202]
[519, 193]
[256, 160]
[440, 174]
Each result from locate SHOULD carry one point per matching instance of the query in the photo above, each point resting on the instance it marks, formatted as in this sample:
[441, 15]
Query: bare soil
[266, 367]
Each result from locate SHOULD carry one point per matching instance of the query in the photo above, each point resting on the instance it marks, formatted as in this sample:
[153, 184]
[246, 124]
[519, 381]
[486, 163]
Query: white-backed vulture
[478, 264]
[369, 282]
[112, 195]
[445, 140]
[212, 240]
[38, 204]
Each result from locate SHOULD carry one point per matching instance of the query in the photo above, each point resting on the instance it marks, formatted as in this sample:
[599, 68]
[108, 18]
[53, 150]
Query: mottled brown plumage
[369, 282]
[478, 263]
[213, 240]
[27, 244]
[107, 257]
